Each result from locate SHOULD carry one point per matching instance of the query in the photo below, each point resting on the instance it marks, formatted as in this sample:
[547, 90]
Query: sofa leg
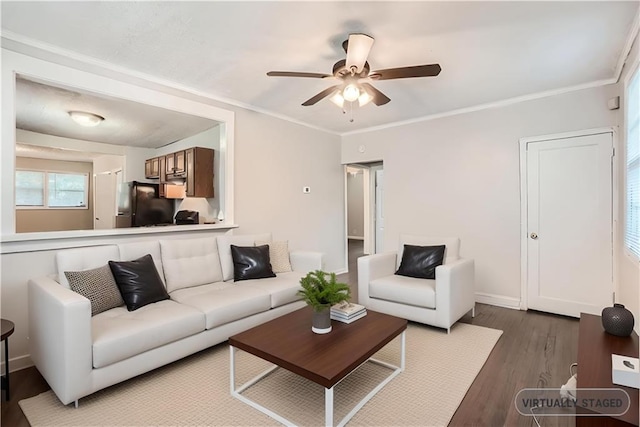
[448, 331]
[76, 403]
[473, 311]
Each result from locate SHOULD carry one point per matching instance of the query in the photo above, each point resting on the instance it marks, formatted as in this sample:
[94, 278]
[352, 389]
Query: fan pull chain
[351, 112]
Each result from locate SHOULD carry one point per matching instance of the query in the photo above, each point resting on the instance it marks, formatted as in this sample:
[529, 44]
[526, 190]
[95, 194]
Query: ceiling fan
[356, 75]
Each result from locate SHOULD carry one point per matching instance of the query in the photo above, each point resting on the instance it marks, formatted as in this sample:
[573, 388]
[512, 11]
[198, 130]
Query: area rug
[440, 368]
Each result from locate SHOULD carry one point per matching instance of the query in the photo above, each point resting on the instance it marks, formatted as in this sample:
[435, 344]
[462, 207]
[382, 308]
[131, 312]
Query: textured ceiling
[488, 51]
[44, 109]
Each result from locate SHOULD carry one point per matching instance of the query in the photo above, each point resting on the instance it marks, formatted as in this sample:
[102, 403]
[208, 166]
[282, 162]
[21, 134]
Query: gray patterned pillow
[97, 285]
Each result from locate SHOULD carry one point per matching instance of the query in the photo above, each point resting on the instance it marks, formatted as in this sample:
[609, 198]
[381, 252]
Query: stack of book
[347, 312]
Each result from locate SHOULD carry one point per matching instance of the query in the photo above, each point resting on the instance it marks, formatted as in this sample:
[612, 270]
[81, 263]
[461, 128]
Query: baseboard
[355, 237]
[17, 363]
[498, 300]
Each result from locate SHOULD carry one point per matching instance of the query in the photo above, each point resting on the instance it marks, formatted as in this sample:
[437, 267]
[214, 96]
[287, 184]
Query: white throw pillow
[190, 262]
[279, 255]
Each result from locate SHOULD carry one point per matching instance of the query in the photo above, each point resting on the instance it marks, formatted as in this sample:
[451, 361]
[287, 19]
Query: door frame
[524, 235]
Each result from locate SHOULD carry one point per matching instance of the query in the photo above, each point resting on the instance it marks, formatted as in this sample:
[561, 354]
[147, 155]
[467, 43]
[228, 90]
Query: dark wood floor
[535, 350]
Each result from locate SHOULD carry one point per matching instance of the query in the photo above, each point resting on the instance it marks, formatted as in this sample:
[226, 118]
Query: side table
[7, 327]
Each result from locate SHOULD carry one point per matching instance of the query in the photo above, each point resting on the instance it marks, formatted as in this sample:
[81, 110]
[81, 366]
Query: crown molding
[487, 106]
[626, 50]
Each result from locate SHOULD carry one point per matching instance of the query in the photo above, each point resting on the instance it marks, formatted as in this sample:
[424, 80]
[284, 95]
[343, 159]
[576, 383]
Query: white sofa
[79, 354]
[437, 302]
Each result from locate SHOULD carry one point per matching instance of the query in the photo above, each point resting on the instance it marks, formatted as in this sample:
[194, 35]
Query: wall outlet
[306, 190]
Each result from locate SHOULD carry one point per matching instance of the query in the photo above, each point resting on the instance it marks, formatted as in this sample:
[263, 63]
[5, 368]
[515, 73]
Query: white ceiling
[488, 51]
[44, 109]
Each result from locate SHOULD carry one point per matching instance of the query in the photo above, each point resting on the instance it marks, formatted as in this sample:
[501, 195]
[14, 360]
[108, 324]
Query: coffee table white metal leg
[328, 392]
[328, 406]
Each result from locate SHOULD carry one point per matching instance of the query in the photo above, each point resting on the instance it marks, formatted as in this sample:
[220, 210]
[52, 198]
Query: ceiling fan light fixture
[364, 98]
[351, 92]
[337, 99]
[86, 119]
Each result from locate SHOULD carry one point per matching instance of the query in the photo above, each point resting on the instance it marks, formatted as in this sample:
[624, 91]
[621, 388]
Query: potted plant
[321, 294]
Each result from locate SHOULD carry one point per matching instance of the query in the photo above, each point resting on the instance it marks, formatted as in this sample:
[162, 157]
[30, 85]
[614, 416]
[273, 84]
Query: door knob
[534, 236]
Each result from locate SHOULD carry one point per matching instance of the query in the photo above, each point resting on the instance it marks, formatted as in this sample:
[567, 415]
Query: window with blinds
[632, 211]
[51, 190]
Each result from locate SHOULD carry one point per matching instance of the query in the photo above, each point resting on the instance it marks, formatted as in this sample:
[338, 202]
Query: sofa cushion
[278, 255]
[98, 286]
[139, 282]
[224, 249]
[224, 302]
[84, 259]
[283, 288]
[135, 250]
[119, 334]
[190, 262]
[421, 261]
[404, 290]
[451, 252]
[251, 262]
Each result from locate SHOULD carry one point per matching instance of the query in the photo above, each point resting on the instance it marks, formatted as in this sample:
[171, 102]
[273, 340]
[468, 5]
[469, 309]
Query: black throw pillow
[139, 282]
[421, 261]
[251, 262]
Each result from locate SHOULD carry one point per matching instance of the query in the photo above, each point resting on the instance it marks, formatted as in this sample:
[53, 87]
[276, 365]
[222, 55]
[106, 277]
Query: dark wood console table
[595, 348]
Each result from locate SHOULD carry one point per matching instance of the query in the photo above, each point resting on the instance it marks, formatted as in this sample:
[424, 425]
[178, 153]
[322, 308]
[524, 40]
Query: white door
[569, 224]
[104, 197]
[379, 210]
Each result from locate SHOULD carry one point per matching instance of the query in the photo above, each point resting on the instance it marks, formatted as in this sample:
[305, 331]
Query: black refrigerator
[139, 205]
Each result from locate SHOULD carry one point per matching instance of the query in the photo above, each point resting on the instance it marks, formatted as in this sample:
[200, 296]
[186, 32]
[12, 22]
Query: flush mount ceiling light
[86, 119]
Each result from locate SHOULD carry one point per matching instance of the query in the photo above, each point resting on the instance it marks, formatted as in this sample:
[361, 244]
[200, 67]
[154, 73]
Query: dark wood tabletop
[7, 327]
[595, 347]
[323, 358]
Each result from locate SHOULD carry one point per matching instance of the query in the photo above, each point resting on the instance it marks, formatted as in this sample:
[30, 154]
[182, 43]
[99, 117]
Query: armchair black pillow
[251, 262]
[421, 261]
[139, 282]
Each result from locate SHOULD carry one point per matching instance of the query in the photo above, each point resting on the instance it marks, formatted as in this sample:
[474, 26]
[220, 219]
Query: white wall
[274, 160]
[355, 205]
[459, 176]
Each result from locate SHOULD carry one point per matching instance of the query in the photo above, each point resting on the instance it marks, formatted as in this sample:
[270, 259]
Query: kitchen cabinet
[175, 164]
[152, 168]
[199, 172]
[192, 167]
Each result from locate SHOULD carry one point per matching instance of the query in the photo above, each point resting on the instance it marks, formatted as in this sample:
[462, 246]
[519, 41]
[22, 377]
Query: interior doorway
[105, 207]
[364, 216]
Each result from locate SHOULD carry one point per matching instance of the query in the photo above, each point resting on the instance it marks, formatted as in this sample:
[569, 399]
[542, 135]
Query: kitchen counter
[29, 242]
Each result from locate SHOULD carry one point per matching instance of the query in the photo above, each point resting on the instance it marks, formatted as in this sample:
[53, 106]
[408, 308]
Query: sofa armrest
[60, 336]
[373, 267]
[306, 261]
[455, 288]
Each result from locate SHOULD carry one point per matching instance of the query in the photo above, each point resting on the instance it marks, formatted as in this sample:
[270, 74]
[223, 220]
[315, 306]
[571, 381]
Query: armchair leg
[473, 311]
[76, 403]
[448, 331]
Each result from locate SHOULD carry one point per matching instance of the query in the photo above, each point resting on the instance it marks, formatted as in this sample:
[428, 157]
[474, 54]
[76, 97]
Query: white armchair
[440, 302]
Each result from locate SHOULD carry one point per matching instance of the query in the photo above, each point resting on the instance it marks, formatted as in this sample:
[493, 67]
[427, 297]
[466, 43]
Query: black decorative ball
[617, 320]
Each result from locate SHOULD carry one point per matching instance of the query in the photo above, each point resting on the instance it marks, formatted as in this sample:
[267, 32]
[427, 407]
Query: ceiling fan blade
[321, 95]
[297, 74]
[430, 70]
[358, 49]
[379, 98]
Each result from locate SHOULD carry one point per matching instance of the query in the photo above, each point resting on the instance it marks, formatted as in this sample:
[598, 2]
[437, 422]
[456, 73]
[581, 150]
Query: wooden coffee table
[327, 359]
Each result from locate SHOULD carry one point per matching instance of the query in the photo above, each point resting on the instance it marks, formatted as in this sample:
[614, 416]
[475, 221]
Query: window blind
[632, 211]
